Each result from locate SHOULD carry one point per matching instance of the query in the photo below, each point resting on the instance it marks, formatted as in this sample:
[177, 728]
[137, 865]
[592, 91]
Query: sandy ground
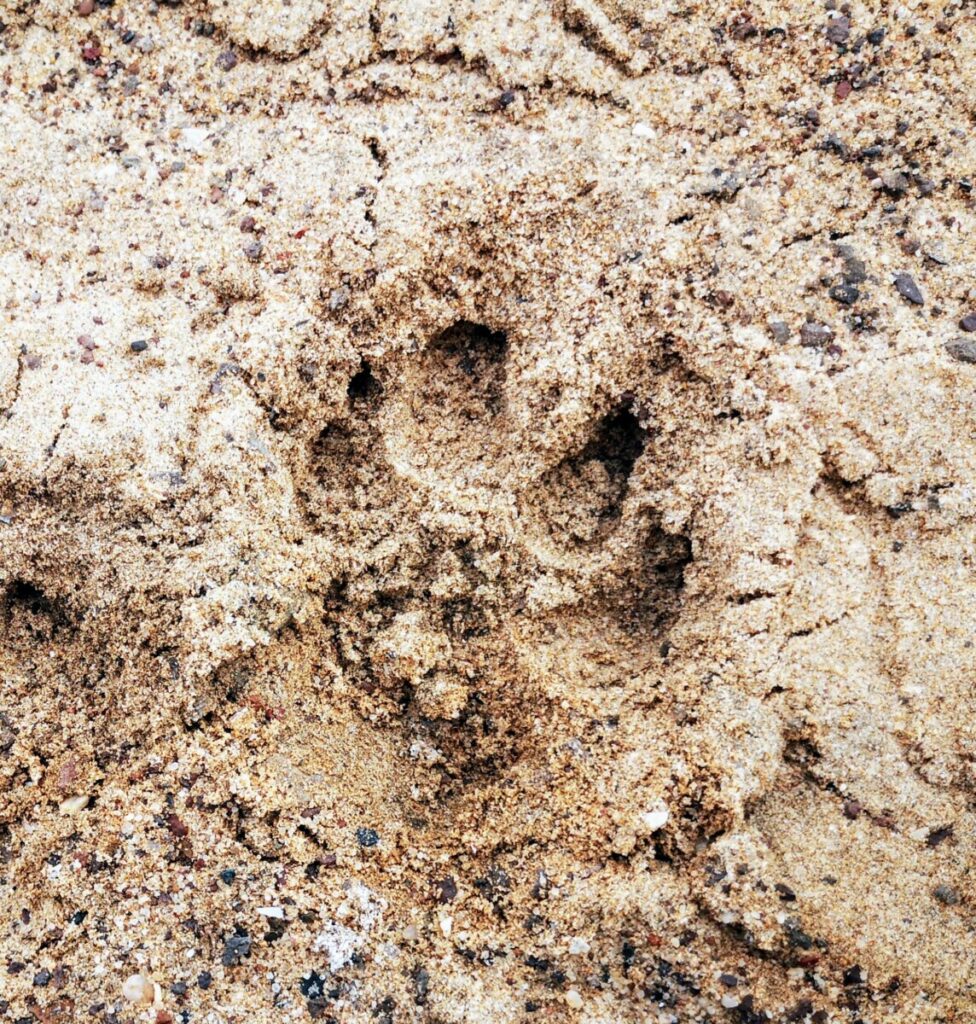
[487, 512]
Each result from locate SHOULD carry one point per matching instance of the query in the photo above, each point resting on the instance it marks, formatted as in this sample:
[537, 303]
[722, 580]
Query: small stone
[204, 979]
[876, 36]
[253, 250]
[42, 978]
[854, 975]
[85, 7]
[338, 299]
[814, 335]
[139, 346]
[74, 804]
[852, 809]
[968, 322]
[227, 61]
[656, 819]
[908, 289]
[574, 1000]
[728, 980]
[367, 837]
[838, 30]
[228, 875]
[895, 181]
[845, 294]
[139, 990]
[946, 895]
[779, 330]
[962, 349]
[786, 894]
[179, 988]
[236, 948]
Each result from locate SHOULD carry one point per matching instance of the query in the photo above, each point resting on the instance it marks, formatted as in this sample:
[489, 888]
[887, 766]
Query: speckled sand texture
[487, 512]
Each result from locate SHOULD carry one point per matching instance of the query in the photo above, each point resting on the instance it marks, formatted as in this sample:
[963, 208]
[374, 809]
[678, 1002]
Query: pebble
[962, 349]
[968, 322]
[204, 979]
[838, 30]
[228, 875]
[656, 819]
[946, 895]
[85, 7]
[845, 294]
[578, 946]
[253, 250]
[908, 289]
[73, 805]
[139, 346]
[227, 61]
[574, 1000]
[779, 330]
[236, 948]
[139, 990]
[814, 335]
[42, 978]
[367, 836]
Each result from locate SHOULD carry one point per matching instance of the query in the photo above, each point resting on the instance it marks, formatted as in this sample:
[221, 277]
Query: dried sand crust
[487, 512]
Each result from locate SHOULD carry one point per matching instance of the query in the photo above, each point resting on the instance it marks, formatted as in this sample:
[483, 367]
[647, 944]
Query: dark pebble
[228, 875]
[945, 894]
[79, 916]
[367, 836]
[845, 294]
[968, 322]
[139, 346]
[779, 330]
[939, 835]
[204, 980]
[178, 988]
[838, 30]
[728, 980]
[854, 975]
[236, 948]
[446, 890]
[312, 986]
[227, 61]
[908, 289]
[852, 809]
[814, 335]
[253, 250]
[786, 894]
[962, 349]
[42, 977]
[876, 36]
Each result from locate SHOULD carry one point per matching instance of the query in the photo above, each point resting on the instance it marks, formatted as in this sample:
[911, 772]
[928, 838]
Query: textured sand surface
[487, 512]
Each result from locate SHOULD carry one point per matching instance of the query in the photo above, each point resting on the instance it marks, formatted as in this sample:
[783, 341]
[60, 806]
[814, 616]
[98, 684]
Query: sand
[487, 512]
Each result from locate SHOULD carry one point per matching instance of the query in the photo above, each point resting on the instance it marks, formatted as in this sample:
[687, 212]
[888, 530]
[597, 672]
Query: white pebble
[578, 946]
[74, 804]
[137, 989]
[574, 1000]
[656, 819]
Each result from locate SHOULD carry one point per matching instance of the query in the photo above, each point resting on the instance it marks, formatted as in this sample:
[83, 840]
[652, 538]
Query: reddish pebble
[85, 7]
[87, 357]
[842, 90]
[87, 342]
